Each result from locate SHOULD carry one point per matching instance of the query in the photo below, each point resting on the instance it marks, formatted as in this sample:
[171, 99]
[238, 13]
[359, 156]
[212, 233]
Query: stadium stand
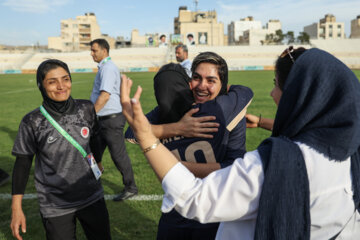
[150, 59]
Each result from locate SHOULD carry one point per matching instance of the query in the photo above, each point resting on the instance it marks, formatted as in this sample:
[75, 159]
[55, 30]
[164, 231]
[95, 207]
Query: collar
[103, 61]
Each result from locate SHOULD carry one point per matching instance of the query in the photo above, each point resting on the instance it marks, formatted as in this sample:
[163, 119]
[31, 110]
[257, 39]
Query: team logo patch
[85, 132]
[51, 139]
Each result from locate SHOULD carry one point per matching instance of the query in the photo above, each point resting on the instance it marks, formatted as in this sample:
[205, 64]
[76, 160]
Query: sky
[29, 22]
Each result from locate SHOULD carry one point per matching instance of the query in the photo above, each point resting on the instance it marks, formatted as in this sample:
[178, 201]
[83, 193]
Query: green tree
[303, 38]
[289, 36]
[279, 36]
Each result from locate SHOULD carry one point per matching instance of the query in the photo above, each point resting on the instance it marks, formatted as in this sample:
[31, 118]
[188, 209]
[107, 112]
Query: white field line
[32, 89]
[152, 197]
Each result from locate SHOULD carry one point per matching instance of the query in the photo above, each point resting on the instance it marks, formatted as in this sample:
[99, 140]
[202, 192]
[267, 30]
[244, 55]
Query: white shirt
[231, 196]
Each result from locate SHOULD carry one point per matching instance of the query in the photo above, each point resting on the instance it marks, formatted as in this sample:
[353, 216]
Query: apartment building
[236, 29]
[255, 37]
[76, 34]
[326, 28]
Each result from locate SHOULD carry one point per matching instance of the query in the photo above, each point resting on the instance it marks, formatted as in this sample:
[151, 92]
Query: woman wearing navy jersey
[67, 183]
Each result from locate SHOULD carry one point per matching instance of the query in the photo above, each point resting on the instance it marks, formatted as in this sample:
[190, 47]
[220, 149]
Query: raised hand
[133, 112]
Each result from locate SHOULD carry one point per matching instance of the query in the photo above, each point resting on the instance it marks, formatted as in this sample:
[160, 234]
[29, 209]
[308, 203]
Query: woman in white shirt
[301, 183]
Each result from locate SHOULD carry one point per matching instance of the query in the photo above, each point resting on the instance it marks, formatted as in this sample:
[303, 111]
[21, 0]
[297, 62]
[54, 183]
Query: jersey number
[203, 146]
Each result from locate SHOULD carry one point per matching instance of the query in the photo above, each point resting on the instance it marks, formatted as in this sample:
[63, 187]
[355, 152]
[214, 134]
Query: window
[330, 26]
[339, 26]
[339, 35]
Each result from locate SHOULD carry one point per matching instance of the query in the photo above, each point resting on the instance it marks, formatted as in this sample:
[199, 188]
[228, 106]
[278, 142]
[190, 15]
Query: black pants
[112, 136]
[94, 220]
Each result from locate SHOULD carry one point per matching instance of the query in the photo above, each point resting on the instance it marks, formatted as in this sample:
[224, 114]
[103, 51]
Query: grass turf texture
[128, 219]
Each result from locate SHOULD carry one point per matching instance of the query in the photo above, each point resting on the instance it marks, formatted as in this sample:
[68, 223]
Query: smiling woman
[57, 84]
[205, 83]
[66, 174]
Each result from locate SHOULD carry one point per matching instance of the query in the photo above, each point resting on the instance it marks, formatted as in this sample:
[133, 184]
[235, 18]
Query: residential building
[258, 36]
[199, 27]
[236, 29]
[326, 28]
[76, 34]
[355, 27]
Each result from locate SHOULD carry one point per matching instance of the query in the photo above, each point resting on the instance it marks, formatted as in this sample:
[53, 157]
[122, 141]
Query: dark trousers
[112, 136]
[94, 219]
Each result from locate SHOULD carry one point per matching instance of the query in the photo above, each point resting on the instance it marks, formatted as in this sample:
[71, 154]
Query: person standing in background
[106, 98]
[181, 53]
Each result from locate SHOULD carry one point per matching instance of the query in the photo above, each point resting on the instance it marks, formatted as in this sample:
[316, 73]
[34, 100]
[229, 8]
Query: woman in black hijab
[66, 177]
[303, 182]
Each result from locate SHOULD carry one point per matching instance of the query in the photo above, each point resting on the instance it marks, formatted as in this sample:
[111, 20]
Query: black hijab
[54, 108]
[320, 106]
[172, 92]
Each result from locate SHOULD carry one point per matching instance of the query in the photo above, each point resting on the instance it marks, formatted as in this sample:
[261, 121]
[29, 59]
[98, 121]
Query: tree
[272, 38]
[289, 36]
[279, 36]
[303, 38]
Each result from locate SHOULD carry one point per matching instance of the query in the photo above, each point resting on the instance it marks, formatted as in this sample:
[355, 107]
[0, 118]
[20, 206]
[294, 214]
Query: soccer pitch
[131, 219]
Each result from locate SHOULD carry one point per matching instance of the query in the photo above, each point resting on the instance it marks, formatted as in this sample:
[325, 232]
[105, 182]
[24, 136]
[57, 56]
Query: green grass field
[129, 219]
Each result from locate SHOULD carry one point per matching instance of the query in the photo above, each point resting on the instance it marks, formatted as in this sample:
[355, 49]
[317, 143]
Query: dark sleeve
[25, 143]
[152, 116]
[21, 173]
[233, 104]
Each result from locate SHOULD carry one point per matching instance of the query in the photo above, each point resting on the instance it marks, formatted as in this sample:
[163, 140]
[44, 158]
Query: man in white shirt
[181, 53]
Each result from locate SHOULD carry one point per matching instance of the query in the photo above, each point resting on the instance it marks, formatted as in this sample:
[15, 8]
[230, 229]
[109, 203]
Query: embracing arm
[188, 126]
[253, 121]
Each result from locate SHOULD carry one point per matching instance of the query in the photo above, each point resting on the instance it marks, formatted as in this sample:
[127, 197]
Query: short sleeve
[109, 79]
[25, 140]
